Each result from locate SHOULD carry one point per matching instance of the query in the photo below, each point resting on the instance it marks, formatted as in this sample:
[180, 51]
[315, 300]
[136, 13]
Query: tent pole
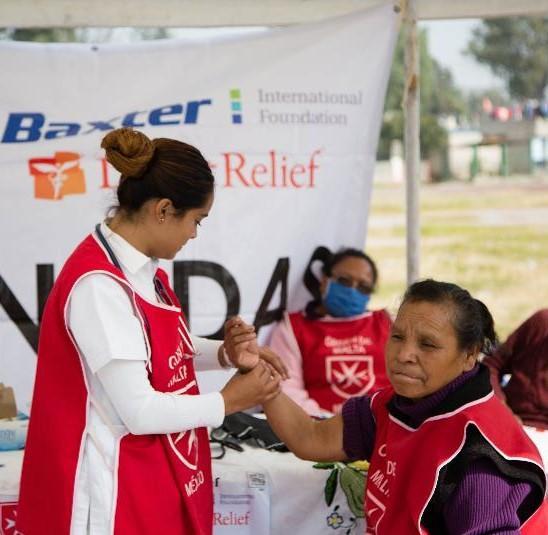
[411, 140]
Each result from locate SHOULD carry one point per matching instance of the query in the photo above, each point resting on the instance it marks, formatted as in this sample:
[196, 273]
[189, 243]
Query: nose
[406, 353]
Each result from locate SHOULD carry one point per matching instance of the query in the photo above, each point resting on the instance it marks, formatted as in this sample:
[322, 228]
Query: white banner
[289, 120]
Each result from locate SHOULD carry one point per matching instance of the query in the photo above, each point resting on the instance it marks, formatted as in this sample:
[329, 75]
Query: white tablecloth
[297, 494]
[273, 489]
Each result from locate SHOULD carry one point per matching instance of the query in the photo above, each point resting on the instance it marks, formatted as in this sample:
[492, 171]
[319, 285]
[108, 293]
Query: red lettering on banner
[312, 166]
[231, 519]
[276, 172]
[104, 173]
[297, 170]
[229, 170]
[258, 169]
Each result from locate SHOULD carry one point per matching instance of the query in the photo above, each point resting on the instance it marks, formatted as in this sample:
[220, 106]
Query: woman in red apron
[117, 440]
[334, 348]
[446, 455]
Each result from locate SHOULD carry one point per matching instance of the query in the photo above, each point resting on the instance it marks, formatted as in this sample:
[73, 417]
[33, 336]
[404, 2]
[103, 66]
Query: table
[279, 493]
[296, 495]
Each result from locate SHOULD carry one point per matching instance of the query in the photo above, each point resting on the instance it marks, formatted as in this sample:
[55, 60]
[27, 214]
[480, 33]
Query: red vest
[342, 358]
[406, 462]
[164, 482]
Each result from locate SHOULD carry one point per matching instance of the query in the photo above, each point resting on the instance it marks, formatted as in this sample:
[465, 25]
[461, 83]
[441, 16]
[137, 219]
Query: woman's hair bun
[129, 151]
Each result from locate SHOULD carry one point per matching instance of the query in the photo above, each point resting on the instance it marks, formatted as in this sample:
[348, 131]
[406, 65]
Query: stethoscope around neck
[161, 291]
[158, 285]
[107, 247]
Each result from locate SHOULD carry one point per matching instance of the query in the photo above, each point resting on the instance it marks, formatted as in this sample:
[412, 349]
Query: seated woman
[334, 349]
[524, 356]
[447, 456]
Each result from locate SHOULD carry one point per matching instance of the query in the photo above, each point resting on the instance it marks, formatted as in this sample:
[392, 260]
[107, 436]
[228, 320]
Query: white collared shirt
[111, 342]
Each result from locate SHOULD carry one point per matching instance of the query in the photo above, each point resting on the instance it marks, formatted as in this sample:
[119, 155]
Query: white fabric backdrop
[293, 172]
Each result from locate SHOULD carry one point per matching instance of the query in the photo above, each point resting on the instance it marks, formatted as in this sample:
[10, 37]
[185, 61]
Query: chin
[407, 390]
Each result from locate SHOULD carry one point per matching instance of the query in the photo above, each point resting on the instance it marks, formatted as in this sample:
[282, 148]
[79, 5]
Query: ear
[470, 359]
[161, 208]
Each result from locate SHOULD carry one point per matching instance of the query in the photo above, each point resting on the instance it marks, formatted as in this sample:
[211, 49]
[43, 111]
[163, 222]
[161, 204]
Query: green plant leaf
[353, 486]
[331, 487]
[323, 466]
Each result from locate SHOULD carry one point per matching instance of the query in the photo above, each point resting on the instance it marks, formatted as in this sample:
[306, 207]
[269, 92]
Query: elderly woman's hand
[240, 344]
[241, 348]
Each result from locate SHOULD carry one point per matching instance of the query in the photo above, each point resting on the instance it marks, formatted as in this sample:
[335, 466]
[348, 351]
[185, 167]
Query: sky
[447, 40]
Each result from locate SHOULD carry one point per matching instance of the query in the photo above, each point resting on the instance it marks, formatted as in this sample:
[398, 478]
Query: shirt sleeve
[206, 354]
[145, 411]
[485, 501]
[283, 342]
[103, 322]
[359, 428]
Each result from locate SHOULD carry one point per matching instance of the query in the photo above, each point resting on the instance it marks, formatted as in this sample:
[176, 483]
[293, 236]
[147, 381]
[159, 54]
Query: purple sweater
[486, 501]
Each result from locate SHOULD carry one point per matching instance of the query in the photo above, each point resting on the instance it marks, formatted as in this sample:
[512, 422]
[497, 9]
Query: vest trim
[88, 394]
[442, 416]
[459, 450]
[84, 430]
[136, 309]
[115, 484]
[153, 303]
[184, 389]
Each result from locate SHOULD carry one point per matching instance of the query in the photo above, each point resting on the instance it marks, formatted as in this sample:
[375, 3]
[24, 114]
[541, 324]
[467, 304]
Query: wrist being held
[258, 386]
[223, 358]
[240, 345]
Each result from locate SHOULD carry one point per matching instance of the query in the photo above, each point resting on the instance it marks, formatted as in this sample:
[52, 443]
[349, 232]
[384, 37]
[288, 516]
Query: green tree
[516, 50]
[82, 35]
[438, 94]
[40, 35]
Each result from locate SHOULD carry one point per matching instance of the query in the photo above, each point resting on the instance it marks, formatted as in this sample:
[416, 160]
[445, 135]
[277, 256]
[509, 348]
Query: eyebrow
[360, 279]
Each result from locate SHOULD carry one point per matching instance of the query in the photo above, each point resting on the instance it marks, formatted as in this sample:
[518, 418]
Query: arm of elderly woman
[284, 343]
[307, 438]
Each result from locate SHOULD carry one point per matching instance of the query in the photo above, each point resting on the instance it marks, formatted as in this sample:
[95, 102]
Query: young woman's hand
[274, 360]
[256, 387]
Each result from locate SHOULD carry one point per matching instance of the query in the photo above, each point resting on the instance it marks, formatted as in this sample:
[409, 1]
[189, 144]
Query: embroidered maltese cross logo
[350, 375]
[185, 447]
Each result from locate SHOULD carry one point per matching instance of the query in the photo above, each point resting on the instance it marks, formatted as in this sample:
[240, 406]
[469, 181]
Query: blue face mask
[342, 301]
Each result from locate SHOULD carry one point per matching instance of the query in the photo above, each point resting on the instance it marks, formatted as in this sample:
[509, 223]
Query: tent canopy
[208, 13]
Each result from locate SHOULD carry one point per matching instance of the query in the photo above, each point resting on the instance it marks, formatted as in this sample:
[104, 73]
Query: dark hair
[334, 259]
[157, 169]
[329, 261]
[472, 321]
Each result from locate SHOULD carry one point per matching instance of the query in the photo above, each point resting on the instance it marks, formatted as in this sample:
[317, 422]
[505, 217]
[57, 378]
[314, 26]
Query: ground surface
[490, 236]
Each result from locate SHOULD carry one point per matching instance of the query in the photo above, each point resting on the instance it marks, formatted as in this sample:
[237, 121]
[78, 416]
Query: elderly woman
[334, 349]
[446, 455]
